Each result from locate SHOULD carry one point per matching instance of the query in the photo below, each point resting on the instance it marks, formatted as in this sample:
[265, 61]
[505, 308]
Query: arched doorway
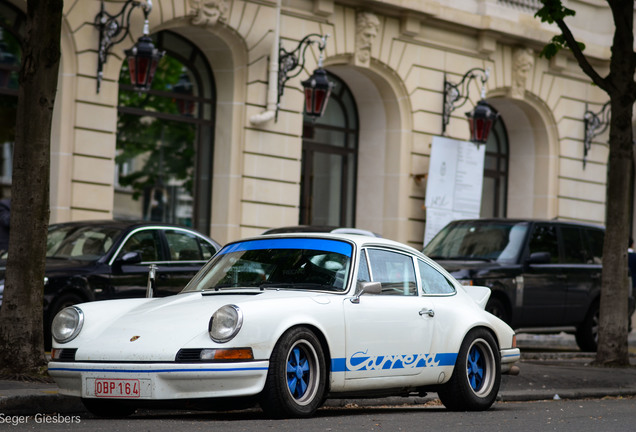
[329, 161]
[165, 139]
[12, 22]
[495, 186]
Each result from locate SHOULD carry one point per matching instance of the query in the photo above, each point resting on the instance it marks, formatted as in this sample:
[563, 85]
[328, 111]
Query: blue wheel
[480, 367]
[297, 378]
[301, 371]
[477, 375]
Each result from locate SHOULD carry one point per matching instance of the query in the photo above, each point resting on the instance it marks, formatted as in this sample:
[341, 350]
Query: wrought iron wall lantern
[595, 124]
[142, 58]
[482, 117]
[317, 87]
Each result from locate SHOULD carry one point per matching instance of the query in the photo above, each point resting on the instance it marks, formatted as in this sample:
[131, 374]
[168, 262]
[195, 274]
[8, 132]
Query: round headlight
[225, 323]
[67, 324]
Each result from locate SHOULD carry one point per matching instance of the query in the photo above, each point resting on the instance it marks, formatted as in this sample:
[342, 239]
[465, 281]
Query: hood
[155, 329]
[467, 269]
[54, 265]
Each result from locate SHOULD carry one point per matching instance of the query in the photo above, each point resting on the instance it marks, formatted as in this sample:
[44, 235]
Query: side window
[573, 246]
[146, 243]
[208, 249]
[394, 270]
[595, 245]
[544, 239]
[183, 246]
[433, 282]
[363, 270]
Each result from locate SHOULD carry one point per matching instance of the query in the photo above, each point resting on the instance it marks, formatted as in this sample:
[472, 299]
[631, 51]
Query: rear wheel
[587, 333]
[475, 381]
[297, 377]
[108, 408]
[497, 307]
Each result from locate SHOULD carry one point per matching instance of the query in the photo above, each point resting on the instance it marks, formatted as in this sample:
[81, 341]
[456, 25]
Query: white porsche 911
[287, 321]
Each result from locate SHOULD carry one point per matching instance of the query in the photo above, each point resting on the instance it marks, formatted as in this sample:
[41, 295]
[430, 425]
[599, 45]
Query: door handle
[429, 312]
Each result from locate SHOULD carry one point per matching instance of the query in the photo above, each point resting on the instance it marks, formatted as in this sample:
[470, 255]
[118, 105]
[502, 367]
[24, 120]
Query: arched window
[495, 188]
[329, 162]
[12, 27]
[165, 139]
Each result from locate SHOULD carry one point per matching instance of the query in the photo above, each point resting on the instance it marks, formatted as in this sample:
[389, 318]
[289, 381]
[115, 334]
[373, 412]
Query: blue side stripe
[439, 359]
[158, 370]
[336, 246]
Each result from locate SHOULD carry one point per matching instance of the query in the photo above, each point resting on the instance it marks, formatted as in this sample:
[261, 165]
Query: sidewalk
[551, 367]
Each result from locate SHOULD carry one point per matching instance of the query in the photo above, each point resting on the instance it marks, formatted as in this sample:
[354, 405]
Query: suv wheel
[587, 333]
[497, 307]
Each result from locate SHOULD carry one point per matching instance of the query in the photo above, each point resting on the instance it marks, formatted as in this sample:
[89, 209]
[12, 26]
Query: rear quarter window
[433, 282]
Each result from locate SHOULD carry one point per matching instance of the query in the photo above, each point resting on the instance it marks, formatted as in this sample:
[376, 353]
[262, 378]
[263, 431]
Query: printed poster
[455, 179]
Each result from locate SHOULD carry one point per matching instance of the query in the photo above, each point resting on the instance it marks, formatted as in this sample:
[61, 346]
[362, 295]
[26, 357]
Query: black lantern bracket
[456, 95]
[292, 63]
[595, 124]
[113, 29]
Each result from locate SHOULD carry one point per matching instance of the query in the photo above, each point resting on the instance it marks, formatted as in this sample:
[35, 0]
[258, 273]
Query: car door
[544, 281]
[387, 334]
[583, 274]
[187, 253]
[130, 279]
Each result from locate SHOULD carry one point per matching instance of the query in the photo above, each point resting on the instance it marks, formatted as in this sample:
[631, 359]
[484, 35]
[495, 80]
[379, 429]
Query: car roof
[320, 229]
[530, 220]
[129, 225]
[359, 240]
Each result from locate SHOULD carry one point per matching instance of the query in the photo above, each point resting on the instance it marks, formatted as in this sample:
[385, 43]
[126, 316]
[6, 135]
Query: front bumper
[159, 381]
[509, 357]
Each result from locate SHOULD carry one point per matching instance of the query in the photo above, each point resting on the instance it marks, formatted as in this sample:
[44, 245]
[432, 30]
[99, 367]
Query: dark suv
[543, 274]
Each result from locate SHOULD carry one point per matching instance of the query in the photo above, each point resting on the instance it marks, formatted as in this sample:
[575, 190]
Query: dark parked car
[97, 260]
[544, 275]
[320, 229]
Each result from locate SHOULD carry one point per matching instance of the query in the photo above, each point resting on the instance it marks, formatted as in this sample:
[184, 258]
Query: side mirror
[130, 258]
[366, 288]
[539, 258]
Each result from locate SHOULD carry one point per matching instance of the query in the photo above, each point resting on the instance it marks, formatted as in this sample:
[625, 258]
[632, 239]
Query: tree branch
[585, 65]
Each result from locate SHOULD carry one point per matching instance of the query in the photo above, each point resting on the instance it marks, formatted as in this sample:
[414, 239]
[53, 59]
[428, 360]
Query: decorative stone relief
[522, 64]
[367, 28]
[208, 12]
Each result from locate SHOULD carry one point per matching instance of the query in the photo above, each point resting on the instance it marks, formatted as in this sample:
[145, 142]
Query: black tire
[498, 308]
[477, 375]
[63, 301]
[108, 408]
[587, 333]
[298, 393]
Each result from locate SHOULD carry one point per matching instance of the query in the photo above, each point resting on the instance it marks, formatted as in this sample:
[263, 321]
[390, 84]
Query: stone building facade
[362, 165]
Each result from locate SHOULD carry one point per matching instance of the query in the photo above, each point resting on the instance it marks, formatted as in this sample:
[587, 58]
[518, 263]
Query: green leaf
[553, 10]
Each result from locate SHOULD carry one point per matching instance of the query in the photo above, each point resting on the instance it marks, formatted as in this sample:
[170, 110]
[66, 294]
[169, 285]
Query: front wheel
[297, 378]
[477, 375]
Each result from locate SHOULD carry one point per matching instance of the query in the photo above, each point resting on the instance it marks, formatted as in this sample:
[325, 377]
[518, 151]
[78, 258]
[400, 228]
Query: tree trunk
[613, 320]
[21, 336]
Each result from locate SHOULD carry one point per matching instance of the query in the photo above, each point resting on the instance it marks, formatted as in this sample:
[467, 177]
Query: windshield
[499, 241]
[87, 243]
[295, 263]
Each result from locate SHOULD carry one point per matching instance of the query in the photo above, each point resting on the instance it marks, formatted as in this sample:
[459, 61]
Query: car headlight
[67, 324]
[225, 323]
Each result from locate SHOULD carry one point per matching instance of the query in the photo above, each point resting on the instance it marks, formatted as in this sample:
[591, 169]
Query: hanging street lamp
[482, 118]
[142, 58]
[317, 87]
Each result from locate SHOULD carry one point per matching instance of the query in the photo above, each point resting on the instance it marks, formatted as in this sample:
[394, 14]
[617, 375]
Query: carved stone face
[208, 12]
[367, 25]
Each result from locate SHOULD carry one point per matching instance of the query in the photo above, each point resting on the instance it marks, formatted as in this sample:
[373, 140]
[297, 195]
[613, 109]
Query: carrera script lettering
[361, 361]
